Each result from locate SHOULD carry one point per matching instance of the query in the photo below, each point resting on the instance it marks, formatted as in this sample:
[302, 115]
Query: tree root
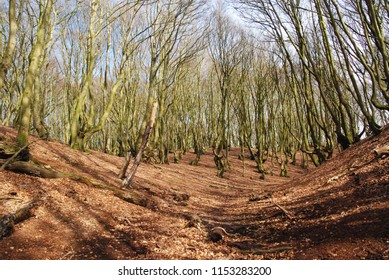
[122, 194]
[19, 160]
[286, 212]
[34, 169]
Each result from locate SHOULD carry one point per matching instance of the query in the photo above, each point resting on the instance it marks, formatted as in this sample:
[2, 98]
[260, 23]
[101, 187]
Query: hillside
[337, 211]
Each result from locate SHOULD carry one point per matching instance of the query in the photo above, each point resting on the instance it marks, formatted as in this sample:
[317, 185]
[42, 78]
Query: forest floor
[337, 211]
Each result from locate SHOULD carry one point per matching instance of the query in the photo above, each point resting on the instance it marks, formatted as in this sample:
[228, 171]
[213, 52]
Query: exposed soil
[337, 211]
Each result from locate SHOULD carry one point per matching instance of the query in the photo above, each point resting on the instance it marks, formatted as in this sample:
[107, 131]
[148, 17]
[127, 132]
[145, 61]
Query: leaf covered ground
[337, 211]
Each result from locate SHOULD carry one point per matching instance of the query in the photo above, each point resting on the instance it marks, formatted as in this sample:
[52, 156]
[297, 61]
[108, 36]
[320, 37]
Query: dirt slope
[338, 211]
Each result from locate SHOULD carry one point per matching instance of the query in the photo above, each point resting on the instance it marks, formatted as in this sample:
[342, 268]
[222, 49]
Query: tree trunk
[7, 57]
[123, 170]
[77, 134]
[33, 71]
[127, 182]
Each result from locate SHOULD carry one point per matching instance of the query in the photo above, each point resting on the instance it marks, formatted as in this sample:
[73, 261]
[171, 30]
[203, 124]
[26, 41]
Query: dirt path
[318, 215]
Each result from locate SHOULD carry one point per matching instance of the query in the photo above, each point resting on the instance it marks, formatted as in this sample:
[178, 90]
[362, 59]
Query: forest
[306, 77]
[244, 82]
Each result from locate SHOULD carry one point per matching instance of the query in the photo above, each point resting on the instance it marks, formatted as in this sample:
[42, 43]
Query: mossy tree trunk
[11, 42]
[46, 9]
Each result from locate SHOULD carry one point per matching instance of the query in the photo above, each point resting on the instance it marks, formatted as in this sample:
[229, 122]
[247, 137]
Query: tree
[322, 55]
[173, 42]
[224, 49]
[82, 123]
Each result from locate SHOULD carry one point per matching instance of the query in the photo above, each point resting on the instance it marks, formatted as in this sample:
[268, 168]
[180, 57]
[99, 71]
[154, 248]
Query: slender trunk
[150, 123]
[123, 170]
[76, 133]
[7, 57]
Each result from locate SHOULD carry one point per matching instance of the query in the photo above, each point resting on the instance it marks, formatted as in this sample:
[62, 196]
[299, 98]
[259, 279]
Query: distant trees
[333, 54]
